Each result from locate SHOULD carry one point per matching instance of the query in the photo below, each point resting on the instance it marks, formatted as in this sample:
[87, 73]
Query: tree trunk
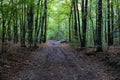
[78, 23]
[108, 22]
[42, 25]
[75, 22]
[36, 26]
[112, 22]
[23, 31]
[45, 27]
[92, 23]
[9, 31]
[30, 25]
[84, 21]
[99, 36]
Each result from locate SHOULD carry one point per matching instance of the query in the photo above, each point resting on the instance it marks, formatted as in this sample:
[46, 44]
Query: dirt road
[58, 62]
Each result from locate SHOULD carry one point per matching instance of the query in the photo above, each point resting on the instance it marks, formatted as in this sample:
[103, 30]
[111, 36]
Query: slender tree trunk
[105, 27]
[40, 19]
[42, 25]
[45, 27]
[112, 23]
[3, 35]
[3, 28]
[78, 14]
[108, 22]
[118, 19]
[99, 37]
[30, 25]
[9, 30]
[15, 30]
[23, 31]
[70, 18]
[75, 22]
[96, 31]
[70, 26]
[36, 26]
[84, 21]
[92, 24]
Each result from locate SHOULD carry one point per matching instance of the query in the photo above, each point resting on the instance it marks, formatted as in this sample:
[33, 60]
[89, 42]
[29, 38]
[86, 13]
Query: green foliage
[58, 12]
[57, 15]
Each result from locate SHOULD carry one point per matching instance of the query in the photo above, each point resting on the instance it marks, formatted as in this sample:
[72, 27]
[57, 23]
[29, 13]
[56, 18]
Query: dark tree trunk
[3, 35]
[112, 22]
[70, 21]
[3, 28]
[9, 31]
[84, 22]
[36, 26]
[15, 30]
[99, 36]
[75, 22]
[42, 25]
[45, 27]
[118, 19]
[108, 22]
[40, 20]
[70, 26]
[22, 26]
[96, 25]
[30, 25]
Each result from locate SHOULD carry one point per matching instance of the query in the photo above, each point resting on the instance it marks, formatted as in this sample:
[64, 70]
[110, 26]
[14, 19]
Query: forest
[59, 39]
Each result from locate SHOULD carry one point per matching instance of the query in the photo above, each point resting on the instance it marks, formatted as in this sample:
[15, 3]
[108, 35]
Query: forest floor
[54, 61]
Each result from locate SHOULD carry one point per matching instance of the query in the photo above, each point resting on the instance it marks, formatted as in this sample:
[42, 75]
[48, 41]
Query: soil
[52, 61]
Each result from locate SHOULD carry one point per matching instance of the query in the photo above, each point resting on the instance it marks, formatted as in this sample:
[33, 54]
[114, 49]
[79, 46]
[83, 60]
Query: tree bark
[45, 27]
[99, 36]
[30, 25]
[84, 22]
[108, 22]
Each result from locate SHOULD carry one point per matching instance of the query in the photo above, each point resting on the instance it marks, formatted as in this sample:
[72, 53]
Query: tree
[108, 22]
[78, 17]
[84, 22]
[112, 22]
[30, 24]
[3, 26]
[99, 27]
[75, 20]
[36, 25]
[23, 25]
[45, 24]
